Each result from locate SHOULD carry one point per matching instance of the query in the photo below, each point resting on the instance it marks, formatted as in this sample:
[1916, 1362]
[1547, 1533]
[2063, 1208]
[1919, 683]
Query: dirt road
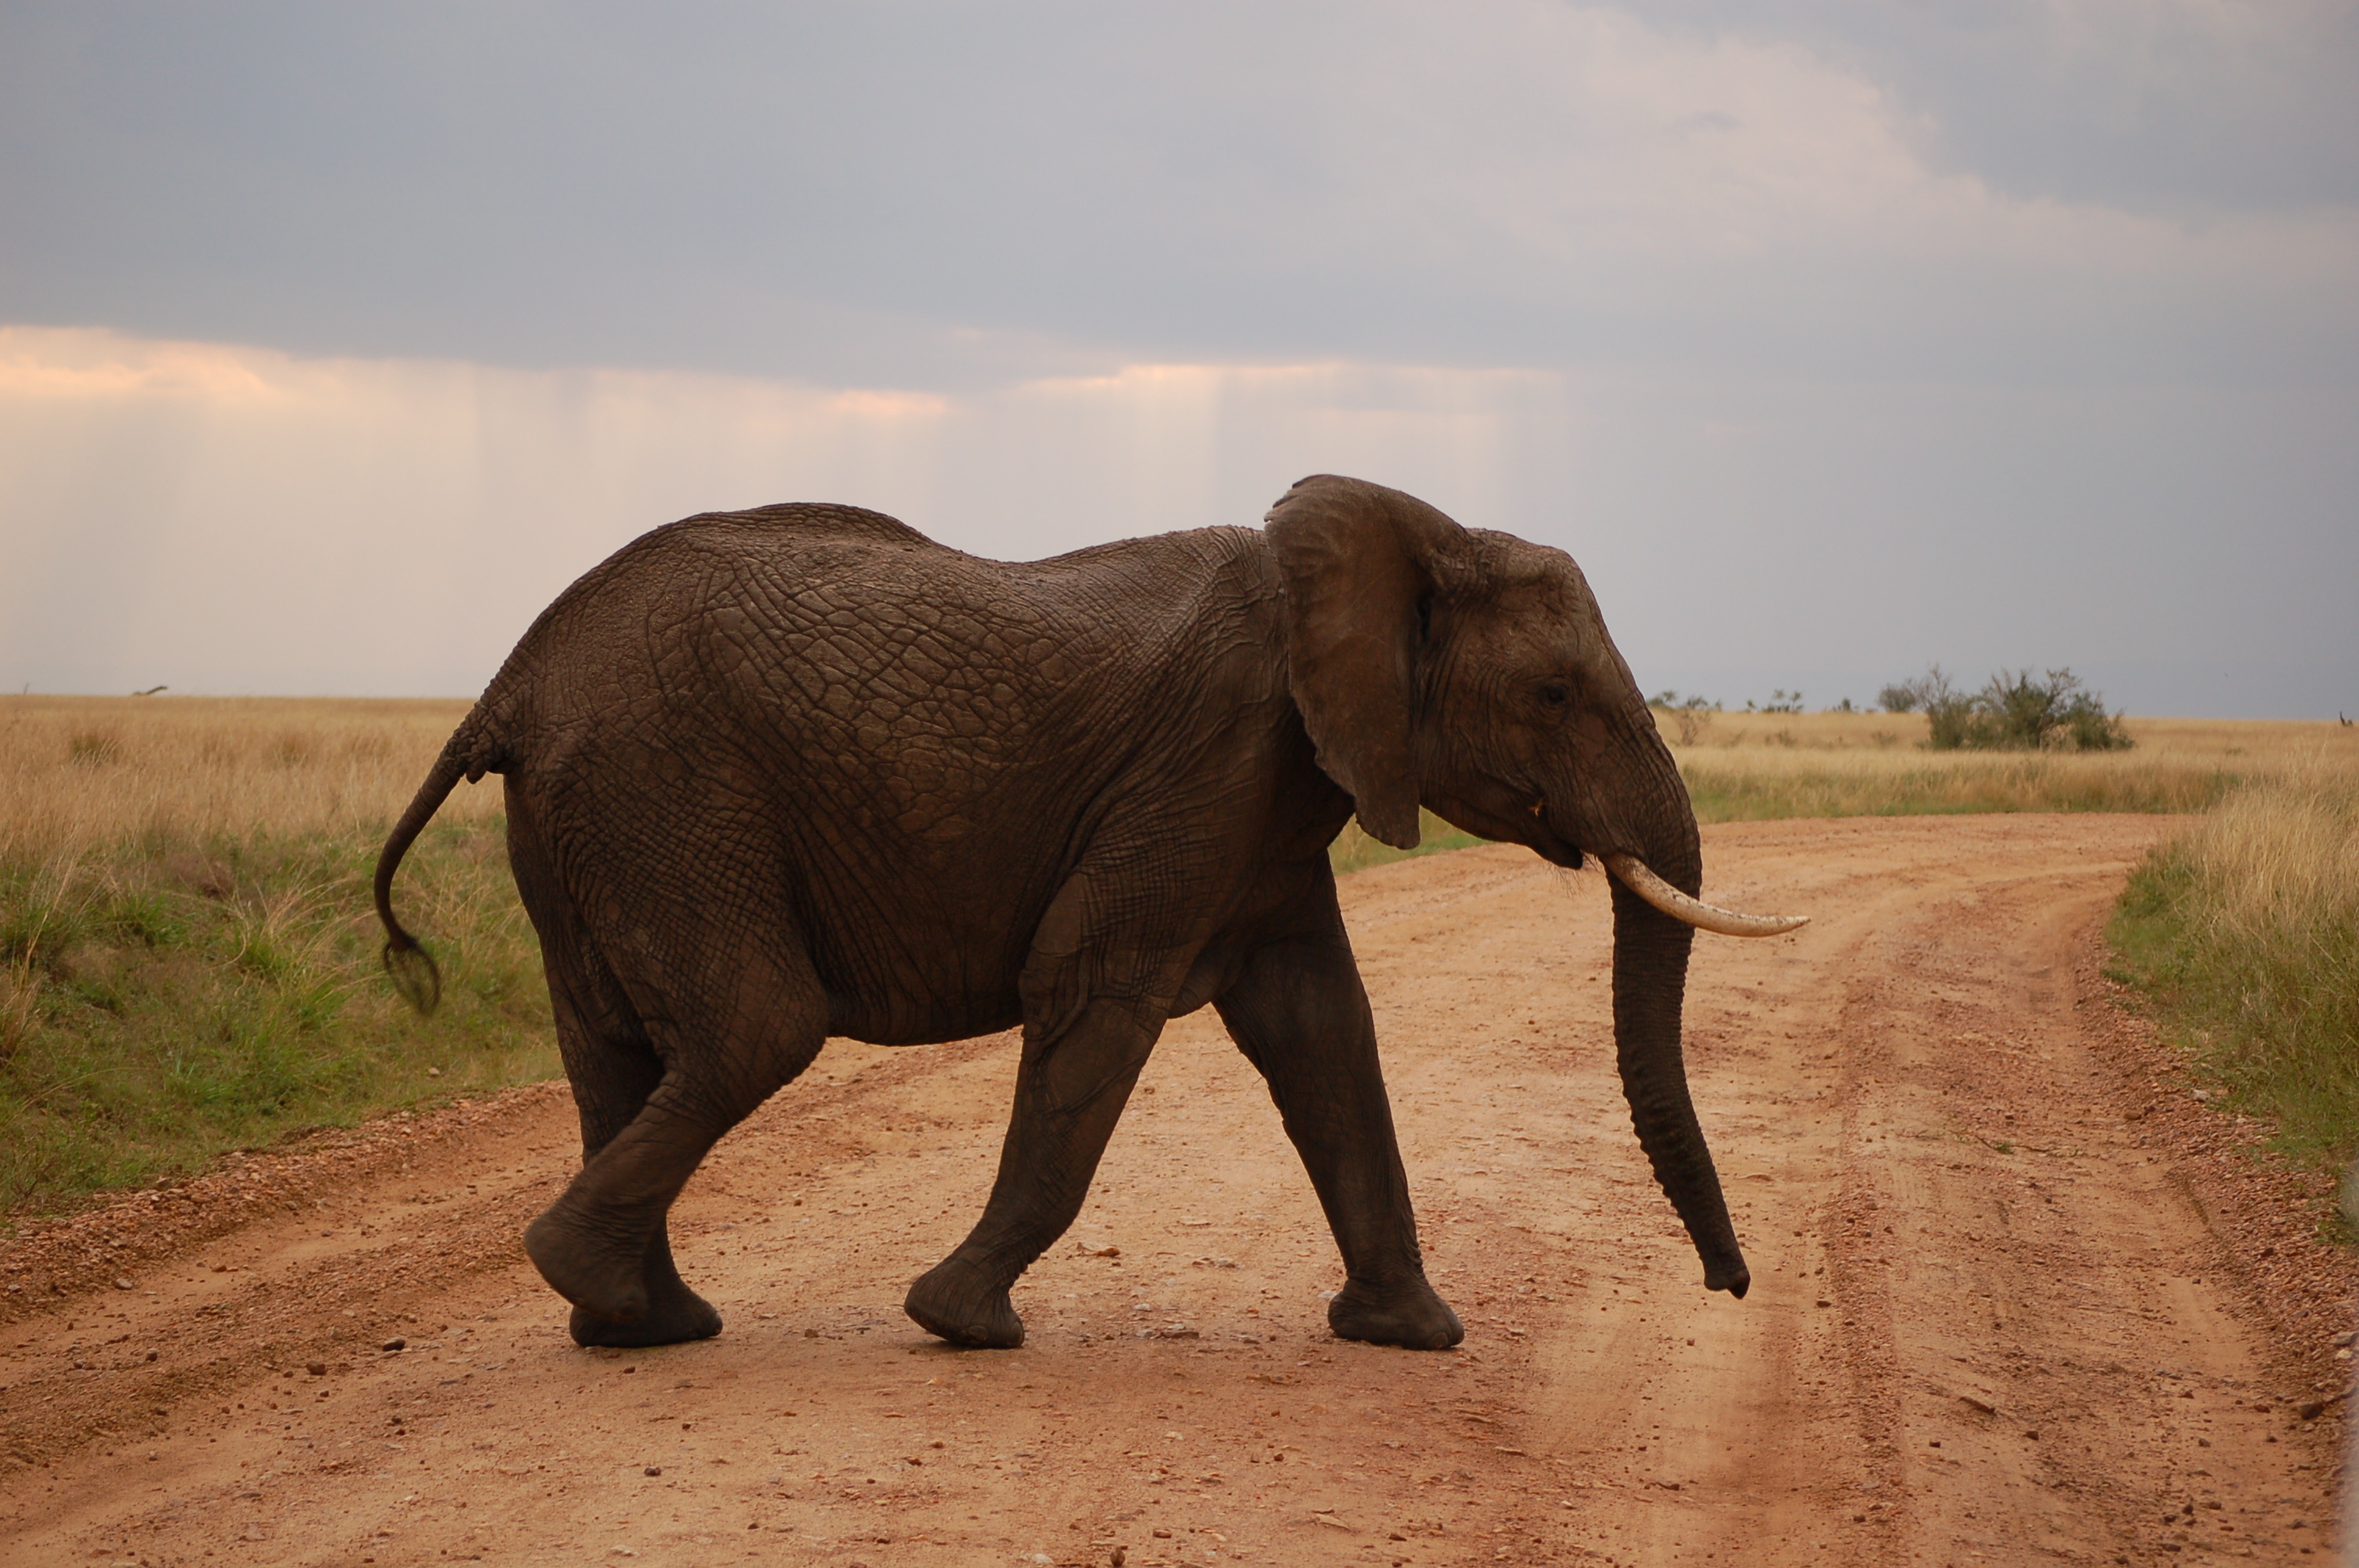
[1986, 1324]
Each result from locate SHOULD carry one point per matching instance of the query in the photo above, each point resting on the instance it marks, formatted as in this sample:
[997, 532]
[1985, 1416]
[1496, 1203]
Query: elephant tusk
[1634, 876]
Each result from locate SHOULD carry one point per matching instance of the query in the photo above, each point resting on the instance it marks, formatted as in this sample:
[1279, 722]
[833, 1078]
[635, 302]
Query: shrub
[2026, 714]
[2015, 711]
[1902, 696]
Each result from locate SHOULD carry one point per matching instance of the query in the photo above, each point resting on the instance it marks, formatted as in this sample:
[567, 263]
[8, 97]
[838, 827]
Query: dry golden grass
[2244, 931]
[79, 775]
[2282, 856]
[1751, 765]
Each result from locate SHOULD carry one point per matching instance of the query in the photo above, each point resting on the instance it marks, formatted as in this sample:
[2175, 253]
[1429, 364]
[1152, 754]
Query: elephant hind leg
[730, 1028]
[605, 1245]
[673, 1315]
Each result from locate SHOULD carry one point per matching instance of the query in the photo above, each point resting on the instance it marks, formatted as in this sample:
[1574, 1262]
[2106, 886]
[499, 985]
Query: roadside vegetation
[187, 958]
[2243, 937]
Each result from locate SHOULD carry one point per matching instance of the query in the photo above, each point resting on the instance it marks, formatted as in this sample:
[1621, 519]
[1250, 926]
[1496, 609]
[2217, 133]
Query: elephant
[796, 772]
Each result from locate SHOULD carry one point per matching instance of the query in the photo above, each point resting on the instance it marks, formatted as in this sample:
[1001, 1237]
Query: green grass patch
[2242, 937]
[170, 1000]
[1354, 850]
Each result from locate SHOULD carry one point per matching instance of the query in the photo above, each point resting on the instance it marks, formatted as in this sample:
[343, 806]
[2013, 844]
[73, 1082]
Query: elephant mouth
[1538, 833]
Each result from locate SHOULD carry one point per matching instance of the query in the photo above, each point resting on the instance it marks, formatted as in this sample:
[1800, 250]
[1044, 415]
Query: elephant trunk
[1650, 969]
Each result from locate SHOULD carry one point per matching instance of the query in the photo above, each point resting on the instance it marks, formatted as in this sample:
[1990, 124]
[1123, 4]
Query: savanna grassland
[1753, 766]
[187, 958]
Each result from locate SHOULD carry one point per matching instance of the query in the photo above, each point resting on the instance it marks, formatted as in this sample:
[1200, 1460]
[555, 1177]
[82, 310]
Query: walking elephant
[778, 774]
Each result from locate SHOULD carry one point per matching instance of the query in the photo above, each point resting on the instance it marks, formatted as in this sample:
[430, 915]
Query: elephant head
[1470, 672]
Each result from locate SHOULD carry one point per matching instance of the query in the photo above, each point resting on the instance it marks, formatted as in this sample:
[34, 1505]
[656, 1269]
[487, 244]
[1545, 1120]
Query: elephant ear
[1357, 560]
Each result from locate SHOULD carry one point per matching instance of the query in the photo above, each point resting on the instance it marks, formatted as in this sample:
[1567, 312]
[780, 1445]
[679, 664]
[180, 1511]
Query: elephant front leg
[1299, 1013]
[1069, 1092]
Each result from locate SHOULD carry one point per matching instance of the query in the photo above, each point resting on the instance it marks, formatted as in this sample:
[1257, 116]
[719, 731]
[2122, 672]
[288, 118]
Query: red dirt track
[1989, 1323]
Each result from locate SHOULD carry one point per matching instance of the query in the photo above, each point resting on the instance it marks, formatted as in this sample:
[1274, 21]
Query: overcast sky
[1832, 337]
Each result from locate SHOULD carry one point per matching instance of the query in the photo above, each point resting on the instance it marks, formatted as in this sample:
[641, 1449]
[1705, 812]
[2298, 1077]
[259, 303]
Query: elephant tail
[470, 754]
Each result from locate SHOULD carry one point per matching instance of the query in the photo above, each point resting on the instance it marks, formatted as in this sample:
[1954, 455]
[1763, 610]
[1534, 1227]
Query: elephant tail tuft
[412, 970]
[471, 752]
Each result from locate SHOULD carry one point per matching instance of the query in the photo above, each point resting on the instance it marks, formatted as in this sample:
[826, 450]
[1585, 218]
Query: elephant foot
[619, 1299]
[953, 1302]
[1407, 1313]
[677, 1323]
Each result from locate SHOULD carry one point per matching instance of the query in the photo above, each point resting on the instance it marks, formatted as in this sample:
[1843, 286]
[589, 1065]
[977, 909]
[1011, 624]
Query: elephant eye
[1554, 695]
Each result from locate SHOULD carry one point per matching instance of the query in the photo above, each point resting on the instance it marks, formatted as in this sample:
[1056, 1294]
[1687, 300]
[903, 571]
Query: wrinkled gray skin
[778, 774]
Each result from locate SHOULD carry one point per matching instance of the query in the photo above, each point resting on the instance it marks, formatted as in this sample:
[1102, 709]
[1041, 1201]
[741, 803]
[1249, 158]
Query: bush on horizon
[2014, 711]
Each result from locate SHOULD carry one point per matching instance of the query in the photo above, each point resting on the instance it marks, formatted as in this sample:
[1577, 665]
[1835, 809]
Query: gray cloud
[2176, 105]
[843, 191]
